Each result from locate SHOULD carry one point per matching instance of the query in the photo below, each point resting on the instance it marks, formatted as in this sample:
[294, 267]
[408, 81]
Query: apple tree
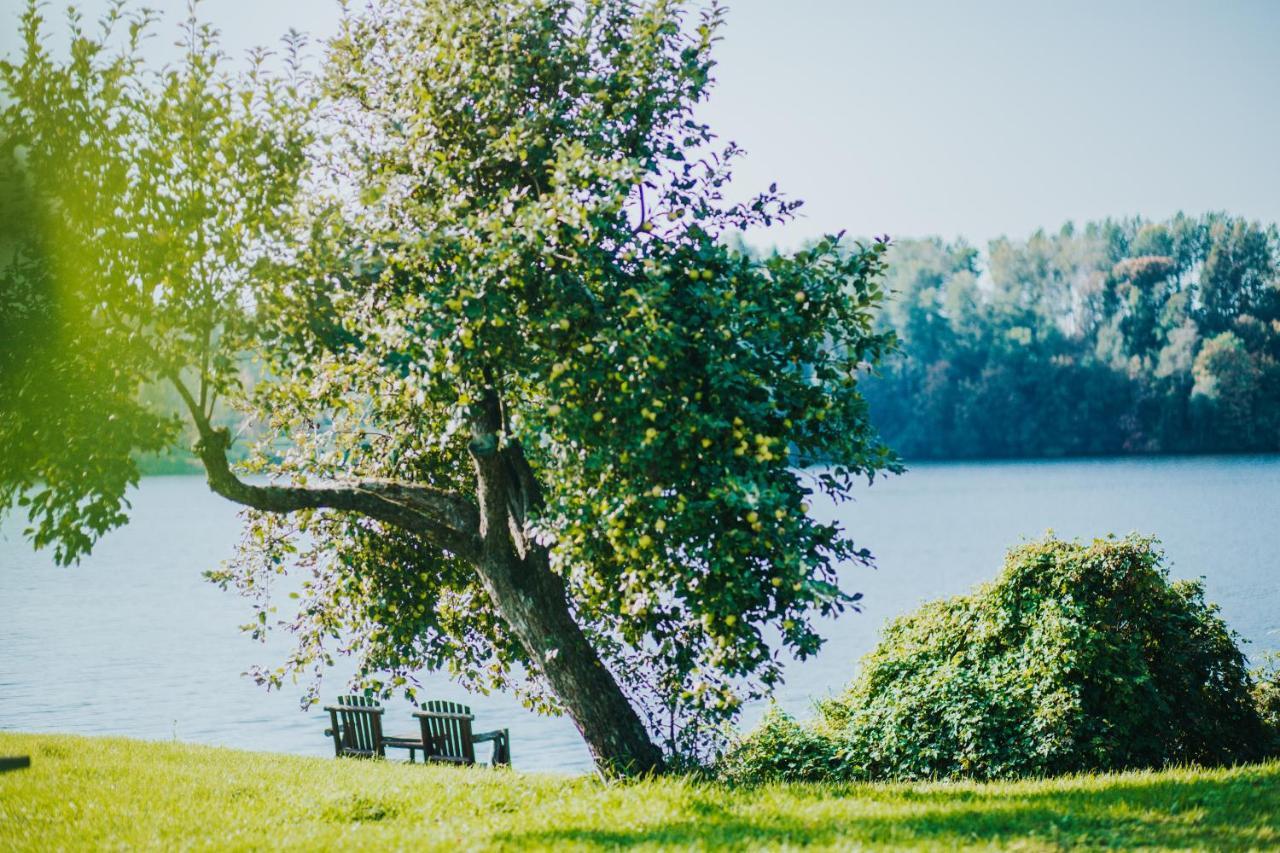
[523, 413]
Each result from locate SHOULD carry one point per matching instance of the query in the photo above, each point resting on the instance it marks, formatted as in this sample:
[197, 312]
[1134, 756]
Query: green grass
[115, 793]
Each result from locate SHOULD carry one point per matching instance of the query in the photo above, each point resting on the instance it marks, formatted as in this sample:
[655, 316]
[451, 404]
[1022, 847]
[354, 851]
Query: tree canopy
[524, 412]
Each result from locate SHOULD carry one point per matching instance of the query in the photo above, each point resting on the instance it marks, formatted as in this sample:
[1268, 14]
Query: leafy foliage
[504, 235]
[1266, 695]
[68, 410]
[1077, 658]
[780, 749]
[139, 206]
[1118, 337]
[540, 219]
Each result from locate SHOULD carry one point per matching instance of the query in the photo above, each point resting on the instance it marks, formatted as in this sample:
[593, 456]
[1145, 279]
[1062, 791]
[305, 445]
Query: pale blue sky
[970, 119]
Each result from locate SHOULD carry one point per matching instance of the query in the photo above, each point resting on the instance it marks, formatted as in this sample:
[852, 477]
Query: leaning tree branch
[446, 518]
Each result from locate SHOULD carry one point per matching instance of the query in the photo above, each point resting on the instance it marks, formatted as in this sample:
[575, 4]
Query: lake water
[133, 642]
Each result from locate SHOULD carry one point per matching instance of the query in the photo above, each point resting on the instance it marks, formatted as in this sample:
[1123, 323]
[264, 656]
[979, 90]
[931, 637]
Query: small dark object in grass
[16, 762]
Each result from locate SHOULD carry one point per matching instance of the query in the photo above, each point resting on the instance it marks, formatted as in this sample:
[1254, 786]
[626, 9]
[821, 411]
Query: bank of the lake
[112, 793]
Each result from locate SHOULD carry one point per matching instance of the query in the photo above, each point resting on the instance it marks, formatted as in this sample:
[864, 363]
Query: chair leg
[502, 750]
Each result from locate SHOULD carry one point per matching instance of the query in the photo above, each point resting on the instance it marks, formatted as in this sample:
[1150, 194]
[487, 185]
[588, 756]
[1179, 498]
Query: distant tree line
[1119, 337]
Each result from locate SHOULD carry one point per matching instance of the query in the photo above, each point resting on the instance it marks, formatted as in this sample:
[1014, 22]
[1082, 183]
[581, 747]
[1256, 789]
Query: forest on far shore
[1118, 337]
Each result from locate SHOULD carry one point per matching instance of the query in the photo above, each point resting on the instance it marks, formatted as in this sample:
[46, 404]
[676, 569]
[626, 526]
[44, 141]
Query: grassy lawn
[115, 793]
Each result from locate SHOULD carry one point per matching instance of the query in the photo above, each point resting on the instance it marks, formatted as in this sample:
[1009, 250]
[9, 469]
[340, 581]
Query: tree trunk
[532, 600]
[517, 574]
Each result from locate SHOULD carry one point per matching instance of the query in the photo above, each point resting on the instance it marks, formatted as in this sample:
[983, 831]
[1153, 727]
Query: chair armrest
[501, 745]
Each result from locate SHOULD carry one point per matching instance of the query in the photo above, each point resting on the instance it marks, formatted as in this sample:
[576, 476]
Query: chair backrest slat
[464, 738]
[459, 741]
[352, 728]
[436, 728]
[454, 729]
[440, 726]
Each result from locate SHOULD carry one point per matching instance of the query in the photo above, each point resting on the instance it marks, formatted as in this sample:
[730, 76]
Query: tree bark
[532, 598]
[514, 570]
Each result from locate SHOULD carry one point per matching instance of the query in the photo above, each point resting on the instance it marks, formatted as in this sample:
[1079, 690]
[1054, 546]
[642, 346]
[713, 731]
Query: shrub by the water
[1266, 696]
[783, 750]
[1078, 657]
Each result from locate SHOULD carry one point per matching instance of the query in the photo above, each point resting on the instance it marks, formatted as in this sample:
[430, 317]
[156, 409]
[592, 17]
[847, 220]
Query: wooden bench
[446, 727]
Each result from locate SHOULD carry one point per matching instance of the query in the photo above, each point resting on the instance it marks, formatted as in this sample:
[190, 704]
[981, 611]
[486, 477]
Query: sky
[974, 119]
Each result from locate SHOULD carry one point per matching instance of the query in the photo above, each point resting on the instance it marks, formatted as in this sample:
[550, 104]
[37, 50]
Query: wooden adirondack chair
[446, 730]
[356, 729]
[355, 724]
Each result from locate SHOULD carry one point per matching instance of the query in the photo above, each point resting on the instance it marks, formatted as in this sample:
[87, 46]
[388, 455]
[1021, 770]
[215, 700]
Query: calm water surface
[133, 642]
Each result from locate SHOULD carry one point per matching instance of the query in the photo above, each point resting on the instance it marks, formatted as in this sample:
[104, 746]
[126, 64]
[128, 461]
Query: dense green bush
[781, 749]
[1266, 696]
[1076, 658]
